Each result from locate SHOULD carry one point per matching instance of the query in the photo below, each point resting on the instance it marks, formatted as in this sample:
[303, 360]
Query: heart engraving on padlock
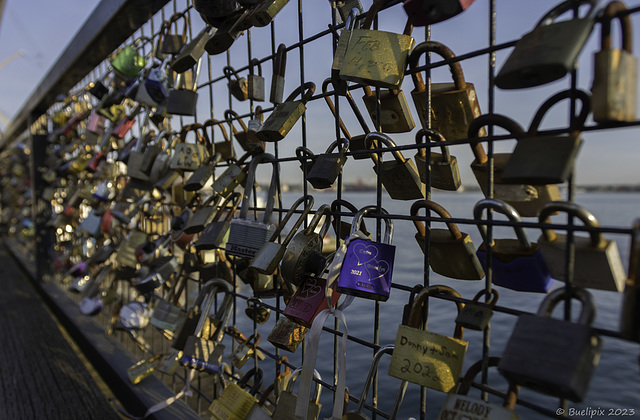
[365, 253]
[377, 270]
[310, 289]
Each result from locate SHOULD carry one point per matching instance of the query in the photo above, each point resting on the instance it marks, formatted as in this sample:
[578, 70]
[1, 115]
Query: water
[615, 384]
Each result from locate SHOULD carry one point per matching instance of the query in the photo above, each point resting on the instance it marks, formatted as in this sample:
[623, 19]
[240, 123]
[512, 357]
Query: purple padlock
[367, 267]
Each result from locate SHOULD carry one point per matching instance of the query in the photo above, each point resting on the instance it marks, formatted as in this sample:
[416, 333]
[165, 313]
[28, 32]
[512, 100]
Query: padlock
[548, 159]
[201, 176]
[189, 156]
[157, 275]
[327, 166]
[268, 257]
[172, 43]
[227, 33]
[184, 101]
[373, 369]
[255, 82]
[287, 334]
[202, 216]
[307, 159]
[167, 315]
[238, 86]
[216, 8]
[453, 105]
[406, 309]
[276, 94]
[128, 62]
[203, 349]
[246, 237]
[597, 263]
[526, 199]
[356, 143]
[235, 403]
[517, 264]
[254, 125]
[154, 89]
[161, 164]
[296, 260]
[260, 411]
[615, 71]
[216, 233]
[142, 370]
[377, 58]
[265, 13]
[451, 252]
[233, 176]
[629, 314]
[458, 405]
[286, 406]
[286, 114]
[342, 228]
[428, 12]
[141, 158]
[552, 356]
[425, 358]
[257, 311]
[311, 297]
[476, 315]
[550, 50]
[341, 86]
[398, 176]
[444, 173]
[224, 147]
[368, 266]
[192, 52]
[245, 137]
[245, 351]
[395, 116]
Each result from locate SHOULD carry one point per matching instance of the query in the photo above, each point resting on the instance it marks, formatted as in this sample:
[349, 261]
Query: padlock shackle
[440, 211]
[280, 60]
[230, 71]
[503, 208]
[235, 196]
[255, 62]
[352, 104]
[357, 220]
[368, 144]
[373, 11]
[435, 137]
[493, 120]
[566, 6]
[492, 301]
[578, 124]
[271, 194]
[587, 313]
[230, 115]
[344, 142]
[303, 153]
[373, 369]
[317, 388]
[308, 88]
[467, 381]
[323, 210]
[443, 51]
[257, 382]
[282, 361]
[201, 134]
[612, 11]
[415, 317]
[258, 113]
[308, 199]
[174, 20]
[212, 123]
[597, 239]
[335, 208]
[225, 309]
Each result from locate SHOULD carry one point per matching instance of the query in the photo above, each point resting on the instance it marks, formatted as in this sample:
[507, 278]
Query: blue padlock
[517, 263]
[367, 267]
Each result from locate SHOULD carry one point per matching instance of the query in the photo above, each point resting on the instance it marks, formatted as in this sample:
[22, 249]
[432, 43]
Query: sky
[34, 33]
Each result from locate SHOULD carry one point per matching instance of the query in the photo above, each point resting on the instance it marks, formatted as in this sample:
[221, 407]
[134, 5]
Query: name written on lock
[429, 349]
[466, 410]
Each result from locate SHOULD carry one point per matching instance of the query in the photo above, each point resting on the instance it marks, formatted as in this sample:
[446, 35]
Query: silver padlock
[255, 81]
[277, 81]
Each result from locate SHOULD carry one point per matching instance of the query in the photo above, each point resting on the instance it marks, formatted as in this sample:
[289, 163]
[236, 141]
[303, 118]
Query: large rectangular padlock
[286, 114]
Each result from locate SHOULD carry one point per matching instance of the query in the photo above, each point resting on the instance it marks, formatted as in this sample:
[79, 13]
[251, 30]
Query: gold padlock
[443, 168]
[287, 334]
[239, 87]
[286, 407]
[395, 116]
[235, 403]
[286, 114]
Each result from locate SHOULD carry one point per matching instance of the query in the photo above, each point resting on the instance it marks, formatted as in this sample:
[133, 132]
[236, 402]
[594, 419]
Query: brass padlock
[201, 176]
[526, 199]
[425, 358]
[453, 105]
[232, 177]
[142, 370]
[268, 257]
[216, 233]
[296, 260]
[458, 405]
[377, 58]
[443, 171]
[256, 310]
[238, 86]
[173, 43]
[341, 86]
[183, 98]
[286, 406]
[246, 137]
[476, 315]
[373, 369]
[615, 71]
[395, 116]
[548, 159]
[227, 33]
[286, 114]
[327, 166]
[203, 215]
[597, 263]
[550, 50]
[245, 351]
[190, 54]
[282, 378]
[255, 82]
[629, 315]
[399, 176]
[235, 403]
[224, 147]
[552, 356]
[287, 334]
[189, 156]
[276, 94]
[356, 143]
[451, 252]
[265, 13]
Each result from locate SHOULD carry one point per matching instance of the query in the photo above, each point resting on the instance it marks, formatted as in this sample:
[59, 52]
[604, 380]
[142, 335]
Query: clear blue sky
[40, 30]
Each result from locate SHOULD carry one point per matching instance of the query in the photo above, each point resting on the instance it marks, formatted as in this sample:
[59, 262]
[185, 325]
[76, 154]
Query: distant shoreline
[475, 188]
